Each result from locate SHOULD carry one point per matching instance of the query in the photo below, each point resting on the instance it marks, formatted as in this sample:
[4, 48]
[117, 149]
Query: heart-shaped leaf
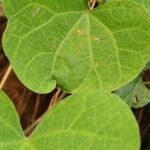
[61, 41]
[94, 120]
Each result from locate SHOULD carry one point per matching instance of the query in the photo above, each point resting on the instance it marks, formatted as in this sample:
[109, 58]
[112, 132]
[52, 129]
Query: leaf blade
[10, 129]
[82, 121]
[86, 124]
[113, 30]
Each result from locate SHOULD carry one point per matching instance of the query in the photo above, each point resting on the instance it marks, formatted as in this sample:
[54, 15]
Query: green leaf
[62, 42]
[11, 134]
[135, 94]
[145, 3]
[94, 120]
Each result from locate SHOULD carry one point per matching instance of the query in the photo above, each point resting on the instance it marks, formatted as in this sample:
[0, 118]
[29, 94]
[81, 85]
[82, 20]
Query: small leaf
[135, 94]
[94, 120]
[62, 42]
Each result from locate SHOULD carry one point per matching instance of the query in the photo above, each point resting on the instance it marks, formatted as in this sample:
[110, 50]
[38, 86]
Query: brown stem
[147, 82]
[36, 107]
[55, 98]
[63, 94]
[5, 77]
[28, 130]
[91, 4]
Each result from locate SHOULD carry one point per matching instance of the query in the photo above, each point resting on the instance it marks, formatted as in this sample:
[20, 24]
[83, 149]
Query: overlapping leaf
[62, 42]
[136, 94]
[82, 121]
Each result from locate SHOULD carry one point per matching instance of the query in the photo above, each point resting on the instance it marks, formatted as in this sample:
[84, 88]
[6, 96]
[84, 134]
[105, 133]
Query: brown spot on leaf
[36, 11]
[80, 32]
[96, 38]
[136, 98]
